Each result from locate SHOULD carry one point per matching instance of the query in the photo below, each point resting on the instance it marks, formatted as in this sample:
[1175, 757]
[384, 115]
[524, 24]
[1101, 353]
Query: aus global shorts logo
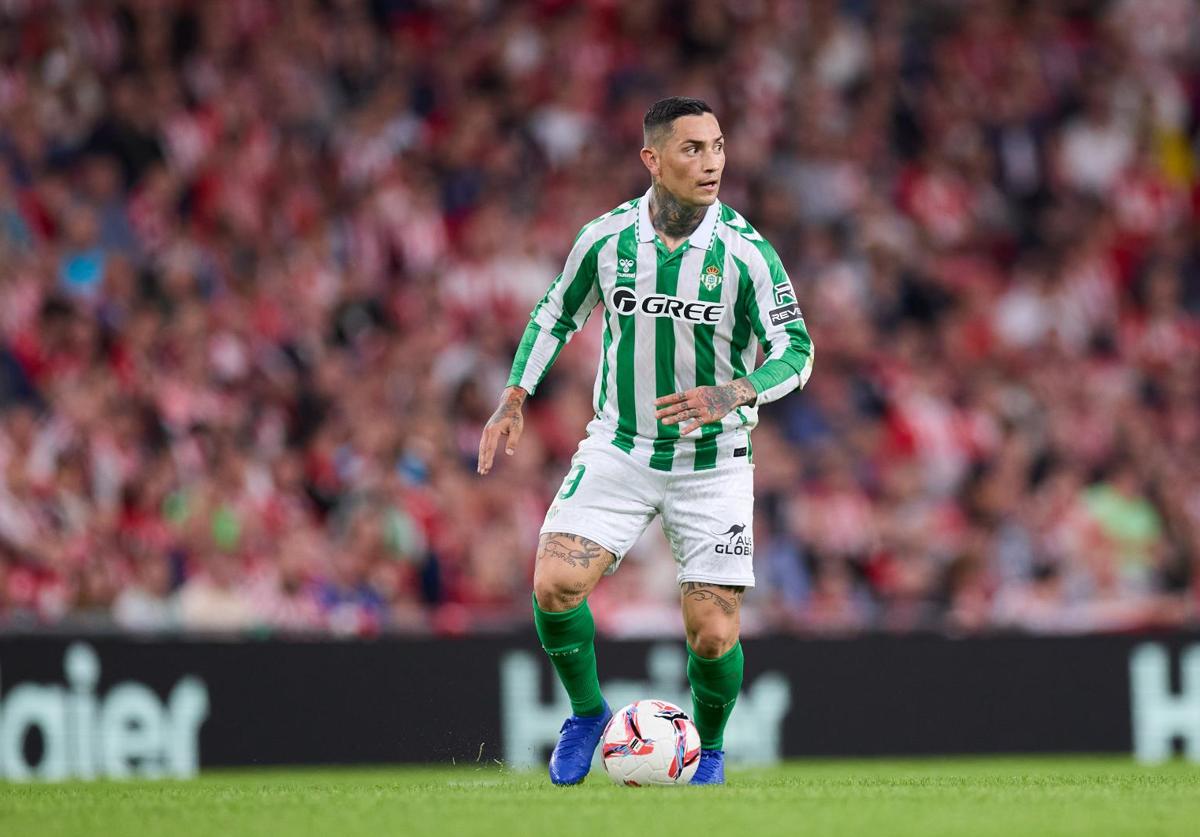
[625, 302]
[734, 541]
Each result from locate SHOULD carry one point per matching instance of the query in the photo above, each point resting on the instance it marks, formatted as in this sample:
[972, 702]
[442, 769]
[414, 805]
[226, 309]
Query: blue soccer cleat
[711, 770]
[577, 740]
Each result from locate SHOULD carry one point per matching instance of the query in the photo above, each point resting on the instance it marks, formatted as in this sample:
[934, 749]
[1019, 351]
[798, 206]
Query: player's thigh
[708, 519]
[604, 504]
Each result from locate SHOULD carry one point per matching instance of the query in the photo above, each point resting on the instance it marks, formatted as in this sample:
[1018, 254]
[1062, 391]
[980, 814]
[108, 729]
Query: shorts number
[571, 482]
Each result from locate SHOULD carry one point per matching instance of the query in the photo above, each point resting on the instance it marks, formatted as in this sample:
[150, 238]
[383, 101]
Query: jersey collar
[703, 235]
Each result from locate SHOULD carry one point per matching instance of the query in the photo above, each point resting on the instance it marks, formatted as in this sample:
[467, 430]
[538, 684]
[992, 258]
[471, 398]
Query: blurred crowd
[264, 263]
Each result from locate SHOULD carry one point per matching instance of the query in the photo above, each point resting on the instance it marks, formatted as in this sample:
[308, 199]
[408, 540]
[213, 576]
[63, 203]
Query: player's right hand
[506, 421]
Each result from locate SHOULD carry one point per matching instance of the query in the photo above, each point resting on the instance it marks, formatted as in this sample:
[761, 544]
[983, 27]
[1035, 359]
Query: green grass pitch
[996, 796]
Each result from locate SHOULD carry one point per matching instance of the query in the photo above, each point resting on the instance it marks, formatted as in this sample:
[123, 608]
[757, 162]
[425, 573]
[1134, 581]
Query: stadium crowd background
[263, 266]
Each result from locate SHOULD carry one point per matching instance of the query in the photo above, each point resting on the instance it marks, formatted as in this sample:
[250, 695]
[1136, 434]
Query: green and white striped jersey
[672, 321]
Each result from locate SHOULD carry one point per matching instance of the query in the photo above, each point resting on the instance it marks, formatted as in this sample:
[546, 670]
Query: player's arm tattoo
[704, 405]
[506, 421]
[728, 598]
[510, 407]
[719, 401]
[575, 550]
[671, 217]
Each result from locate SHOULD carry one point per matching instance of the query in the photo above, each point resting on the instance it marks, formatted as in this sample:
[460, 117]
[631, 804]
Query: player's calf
[568, 567]
[715, 664]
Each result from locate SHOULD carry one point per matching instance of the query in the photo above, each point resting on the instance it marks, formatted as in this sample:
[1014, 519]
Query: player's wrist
[514, 393]
[746, 391]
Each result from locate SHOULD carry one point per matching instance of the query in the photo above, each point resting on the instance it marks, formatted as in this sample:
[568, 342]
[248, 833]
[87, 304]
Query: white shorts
[707, 516]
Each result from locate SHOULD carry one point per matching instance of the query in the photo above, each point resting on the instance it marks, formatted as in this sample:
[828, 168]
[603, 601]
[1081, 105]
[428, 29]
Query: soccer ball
[651, 742]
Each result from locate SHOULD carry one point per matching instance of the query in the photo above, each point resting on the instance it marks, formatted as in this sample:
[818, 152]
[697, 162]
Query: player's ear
[650, 160]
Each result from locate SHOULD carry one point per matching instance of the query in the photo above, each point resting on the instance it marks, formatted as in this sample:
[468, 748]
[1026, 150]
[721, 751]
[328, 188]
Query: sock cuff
[729, 656]
[558, 615]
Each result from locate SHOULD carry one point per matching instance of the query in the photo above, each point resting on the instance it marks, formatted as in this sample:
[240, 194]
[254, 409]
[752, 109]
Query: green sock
[568, 638]
[715, 687]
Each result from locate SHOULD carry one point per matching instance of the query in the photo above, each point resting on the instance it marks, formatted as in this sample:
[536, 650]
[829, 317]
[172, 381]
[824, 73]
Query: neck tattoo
[672, 218]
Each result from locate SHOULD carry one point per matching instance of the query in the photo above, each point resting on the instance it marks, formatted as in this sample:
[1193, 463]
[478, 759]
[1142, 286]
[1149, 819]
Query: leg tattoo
[575, 550]
[723, 596]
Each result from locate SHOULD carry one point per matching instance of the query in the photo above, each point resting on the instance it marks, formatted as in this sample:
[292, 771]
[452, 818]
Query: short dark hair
[664, 112]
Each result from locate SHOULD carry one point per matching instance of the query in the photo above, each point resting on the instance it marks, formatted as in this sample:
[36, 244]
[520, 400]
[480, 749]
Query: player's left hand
[703, 405]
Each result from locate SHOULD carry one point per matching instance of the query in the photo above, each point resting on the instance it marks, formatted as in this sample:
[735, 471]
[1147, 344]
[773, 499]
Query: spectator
[260, 272]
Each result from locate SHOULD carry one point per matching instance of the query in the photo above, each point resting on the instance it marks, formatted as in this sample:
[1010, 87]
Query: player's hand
[703, 405]
[506, 421]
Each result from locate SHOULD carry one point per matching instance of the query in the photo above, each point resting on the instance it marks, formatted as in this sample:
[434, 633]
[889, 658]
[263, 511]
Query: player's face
[690, 162]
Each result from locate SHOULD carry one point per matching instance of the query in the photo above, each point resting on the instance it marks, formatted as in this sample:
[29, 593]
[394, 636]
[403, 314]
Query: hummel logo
[625, 265]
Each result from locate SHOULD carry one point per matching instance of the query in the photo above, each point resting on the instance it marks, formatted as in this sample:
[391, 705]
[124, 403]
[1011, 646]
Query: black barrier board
[99, 706]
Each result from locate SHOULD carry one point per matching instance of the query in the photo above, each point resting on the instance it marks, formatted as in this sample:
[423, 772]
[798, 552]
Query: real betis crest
[711, 277]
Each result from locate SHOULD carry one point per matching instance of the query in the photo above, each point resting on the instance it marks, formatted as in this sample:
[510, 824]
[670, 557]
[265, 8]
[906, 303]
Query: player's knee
[712, 641]
[557, 591]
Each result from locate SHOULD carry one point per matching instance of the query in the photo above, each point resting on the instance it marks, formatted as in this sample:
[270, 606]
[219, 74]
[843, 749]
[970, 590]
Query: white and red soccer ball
[650, 742]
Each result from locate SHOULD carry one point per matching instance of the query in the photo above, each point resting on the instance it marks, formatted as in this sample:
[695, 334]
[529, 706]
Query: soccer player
[686, 286]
